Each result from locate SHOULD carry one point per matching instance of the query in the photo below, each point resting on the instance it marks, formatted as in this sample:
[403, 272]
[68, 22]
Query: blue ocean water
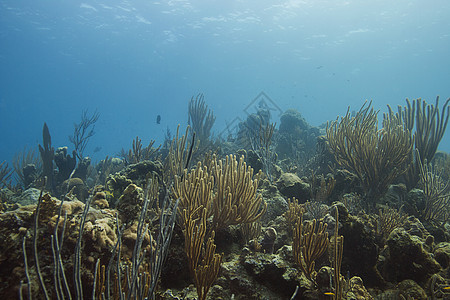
[134, 60]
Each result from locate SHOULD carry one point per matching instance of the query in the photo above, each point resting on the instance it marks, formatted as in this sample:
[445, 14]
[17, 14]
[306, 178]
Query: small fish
[446, 288]
[158, 119]
[328, 294]
[97, 149]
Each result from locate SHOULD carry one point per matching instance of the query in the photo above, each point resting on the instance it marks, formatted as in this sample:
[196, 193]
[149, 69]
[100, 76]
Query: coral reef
[376, 156]
[47, 156]
[406, 258]
[271, 221]
[65, 163]
[297, 139]
[291, 186]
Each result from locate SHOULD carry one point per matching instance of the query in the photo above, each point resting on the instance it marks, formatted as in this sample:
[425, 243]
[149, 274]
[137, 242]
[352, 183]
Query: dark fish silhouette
[97, 149]
[158, 119]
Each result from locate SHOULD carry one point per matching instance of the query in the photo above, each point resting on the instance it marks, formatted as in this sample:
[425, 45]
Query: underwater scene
[187, 149]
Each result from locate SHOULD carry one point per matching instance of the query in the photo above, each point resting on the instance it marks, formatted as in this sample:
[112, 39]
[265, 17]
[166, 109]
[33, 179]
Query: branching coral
[228, 192]
[294, 211]
[5, 174]
[27, 166]
[200, 118]
[179, 156]
[47, 155]
[83, 131]
[235, 201]
[204, 263]
[194, 190]
[138, 153]
[309, 243]
[436, 190]
[261, 143]
[388, 219]
[338, 251]
[376, 156]
[430, 124]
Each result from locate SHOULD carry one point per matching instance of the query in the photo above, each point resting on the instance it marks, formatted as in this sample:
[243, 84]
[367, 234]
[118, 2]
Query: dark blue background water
[133, 60]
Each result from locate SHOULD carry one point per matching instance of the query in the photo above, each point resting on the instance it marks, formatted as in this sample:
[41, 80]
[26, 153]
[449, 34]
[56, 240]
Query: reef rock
[27, 197]
[276, 206]
[272, 270]
[407, 258]
[82, 168]
[290, 185]
[76, 186]
[130, 203]
[295, 136]
[137, 174]
[442, 254]
[65, 163]
[414, 202]
[357, 290]
[30, 173]
[411, 290]
[360, 249]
